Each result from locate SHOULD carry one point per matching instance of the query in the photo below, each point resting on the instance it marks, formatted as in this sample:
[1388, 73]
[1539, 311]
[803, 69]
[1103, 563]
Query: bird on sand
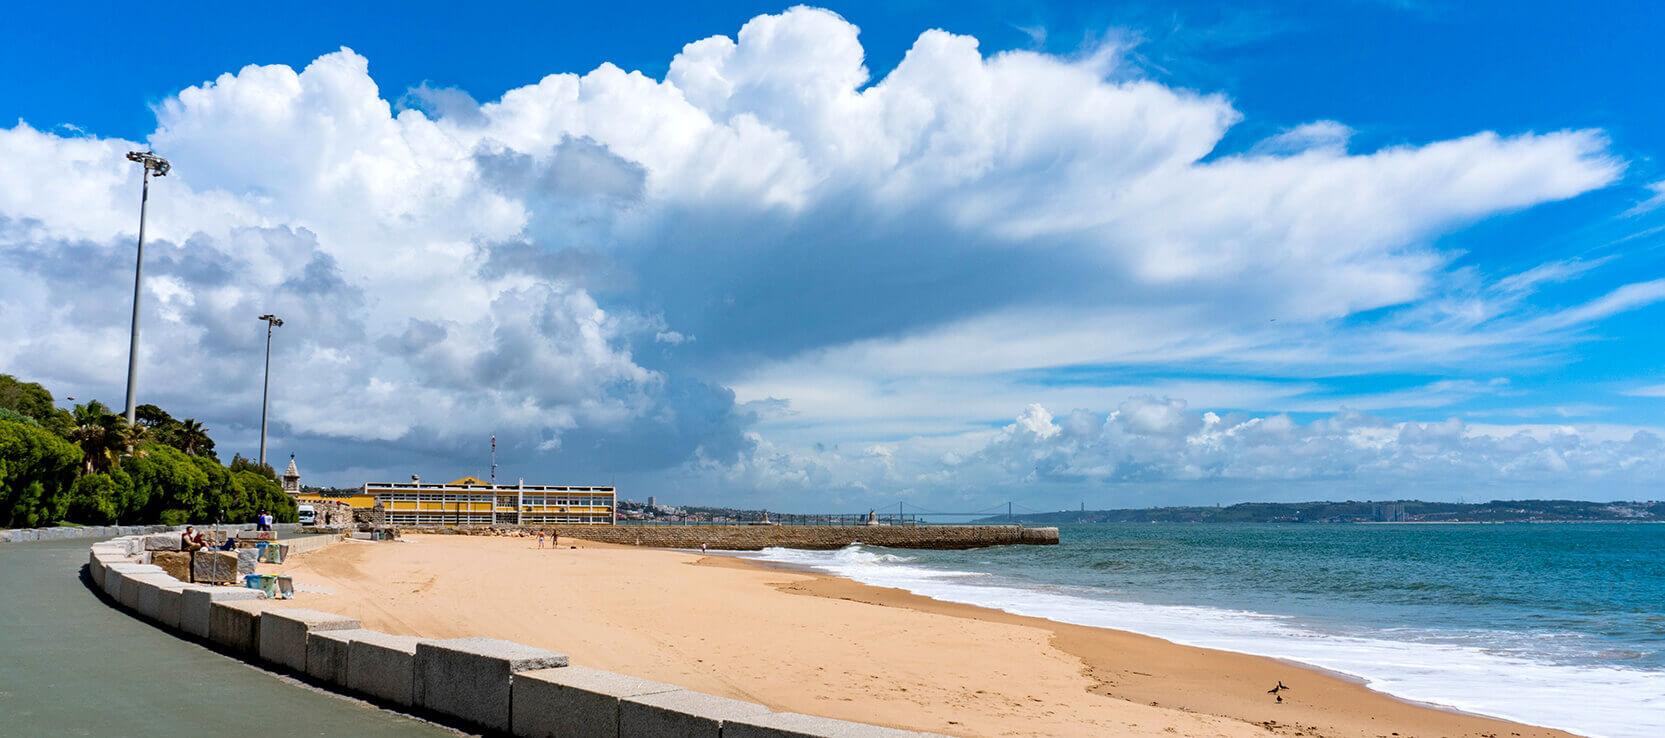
[1281, 686]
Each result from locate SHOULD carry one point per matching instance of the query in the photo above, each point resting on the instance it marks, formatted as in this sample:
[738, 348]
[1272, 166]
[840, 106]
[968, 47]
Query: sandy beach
[828, 646]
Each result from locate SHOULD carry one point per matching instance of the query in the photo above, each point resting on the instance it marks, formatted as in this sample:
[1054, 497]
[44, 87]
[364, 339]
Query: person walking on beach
[540, 539]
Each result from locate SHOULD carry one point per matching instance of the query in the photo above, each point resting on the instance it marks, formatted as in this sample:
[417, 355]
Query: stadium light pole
[272, 321]
[153, 164]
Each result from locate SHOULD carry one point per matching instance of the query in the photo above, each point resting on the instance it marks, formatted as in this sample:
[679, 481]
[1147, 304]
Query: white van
[306, 515]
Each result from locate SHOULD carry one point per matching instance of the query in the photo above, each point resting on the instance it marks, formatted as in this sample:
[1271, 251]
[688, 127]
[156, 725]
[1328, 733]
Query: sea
[1560, 625]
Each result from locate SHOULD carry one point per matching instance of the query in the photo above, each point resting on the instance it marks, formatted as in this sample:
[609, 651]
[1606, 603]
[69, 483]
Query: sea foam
[1473, 671]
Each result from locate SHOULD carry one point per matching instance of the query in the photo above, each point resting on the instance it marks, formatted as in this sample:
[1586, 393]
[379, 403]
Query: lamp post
[153, 164]
[272, 321]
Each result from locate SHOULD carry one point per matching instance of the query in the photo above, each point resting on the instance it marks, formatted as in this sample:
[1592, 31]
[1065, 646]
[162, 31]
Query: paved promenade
[71, 665]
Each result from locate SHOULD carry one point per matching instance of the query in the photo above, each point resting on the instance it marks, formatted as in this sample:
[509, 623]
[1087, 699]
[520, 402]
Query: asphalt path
[71, 664]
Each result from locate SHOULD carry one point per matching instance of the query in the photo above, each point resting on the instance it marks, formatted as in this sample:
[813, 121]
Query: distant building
[292, 478]
[469, 501]
[653, 503]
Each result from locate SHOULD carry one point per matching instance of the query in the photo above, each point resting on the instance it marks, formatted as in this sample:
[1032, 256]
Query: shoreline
[897, 597]
[812, 642]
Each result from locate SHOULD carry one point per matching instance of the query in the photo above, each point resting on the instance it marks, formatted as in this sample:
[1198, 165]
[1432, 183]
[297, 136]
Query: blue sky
[1132, 254]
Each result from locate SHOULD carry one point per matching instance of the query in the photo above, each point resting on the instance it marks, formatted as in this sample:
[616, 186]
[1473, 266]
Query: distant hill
[1406, 511]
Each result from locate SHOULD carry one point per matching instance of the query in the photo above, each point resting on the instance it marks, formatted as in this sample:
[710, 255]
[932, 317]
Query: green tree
[151, 416]
[26, 398]
[100, 434]
[10, 415]
[164, 478]
[37, 471]
[189, 436]
[99, 499]
[31, 400]
[239, 463]
[108, 471]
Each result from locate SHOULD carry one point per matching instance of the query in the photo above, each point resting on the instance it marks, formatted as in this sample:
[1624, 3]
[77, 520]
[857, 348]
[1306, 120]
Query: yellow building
[469, 501]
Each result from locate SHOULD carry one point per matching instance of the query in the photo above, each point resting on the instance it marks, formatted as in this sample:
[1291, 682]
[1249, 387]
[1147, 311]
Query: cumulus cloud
[1156, 450]
[539, 265]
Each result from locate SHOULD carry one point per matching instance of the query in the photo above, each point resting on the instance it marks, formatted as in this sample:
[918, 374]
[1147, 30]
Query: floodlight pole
[272, 321]
[150, 163]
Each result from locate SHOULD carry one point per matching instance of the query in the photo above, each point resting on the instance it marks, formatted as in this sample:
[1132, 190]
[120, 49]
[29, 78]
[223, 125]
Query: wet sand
[827, 646]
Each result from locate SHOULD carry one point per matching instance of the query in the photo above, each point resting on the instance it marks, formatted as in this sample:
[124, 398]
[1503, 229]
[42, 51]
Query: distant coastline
[1391, 511]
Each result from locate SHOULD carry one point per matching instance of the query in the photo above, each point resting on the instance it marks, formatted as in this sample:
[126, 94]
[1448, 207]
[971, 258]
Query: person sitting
[191, 540]
[229, 545]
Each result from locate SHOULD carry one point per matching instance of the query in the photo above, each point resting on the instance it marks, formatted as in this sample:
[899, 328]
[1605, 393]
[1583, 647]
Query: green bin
[264, 582]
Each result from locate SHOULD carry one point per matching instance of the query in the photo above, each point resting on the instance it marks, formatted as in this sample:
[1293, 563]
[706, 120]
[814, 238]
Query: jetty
[759, 537]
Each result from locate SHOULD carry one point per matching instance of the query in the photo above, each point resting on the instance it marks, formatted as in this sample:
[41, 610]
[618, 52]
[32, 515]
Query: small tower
[292, 478]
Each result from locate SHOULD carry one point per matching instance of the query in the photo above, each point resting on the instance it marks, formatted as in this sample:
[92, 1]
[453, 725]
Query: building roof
[291, 472]
[464, 482]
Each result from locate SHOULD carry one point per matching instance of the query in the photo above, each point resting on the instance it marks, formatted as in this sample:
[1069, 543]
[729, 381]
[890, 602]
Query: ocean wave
[1502, 674]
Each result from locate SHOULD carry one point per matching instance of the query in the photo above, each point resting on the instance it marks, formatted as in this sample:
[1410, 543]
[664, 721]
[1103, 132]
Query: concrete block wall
[574, 701]
[383, 666]
[327, 652]
[682, 713]
[500, 686]
[284, 633]
[471, 677]
[195, 606]
[813, 537]
[235, 624]
[65, 533]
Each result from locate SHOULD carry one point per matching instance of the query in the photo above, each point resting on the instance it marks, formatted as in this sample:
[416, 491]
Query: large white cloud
[584, 264]
[1159, 451]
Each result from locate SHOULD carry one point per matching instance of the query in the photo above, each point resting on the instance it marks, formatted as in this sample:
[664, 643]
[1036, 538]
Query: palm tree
[98, 432]
[191, 437]
[132, 436]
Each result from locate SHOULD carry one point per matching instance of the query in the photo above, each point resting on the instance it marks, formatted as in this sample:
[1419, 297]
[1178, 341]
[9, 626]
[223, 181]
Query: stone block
[115, 573]
[283, 634]
[196, 604]
[215, 567]
[105, 560]
[111, 584]
[235, 624]
[247, 560]
[794, 725]
[682, 713]
[131, 582]
[170, 604]
[150, 594]
[573, 701]
[327, 652]
[469, 678]
[162, 542]
[176, 563]
[382, 665]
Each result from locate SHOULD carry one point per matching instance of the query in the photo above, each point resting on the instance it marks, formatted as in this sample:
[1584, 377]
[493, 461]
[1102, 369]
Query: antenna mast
[494, 459]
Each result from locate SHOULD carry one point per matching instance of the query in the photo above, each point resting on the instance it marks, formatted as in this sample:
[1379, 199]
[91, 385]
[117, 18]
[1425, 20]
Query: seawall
[812, 537]
[68, 532]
